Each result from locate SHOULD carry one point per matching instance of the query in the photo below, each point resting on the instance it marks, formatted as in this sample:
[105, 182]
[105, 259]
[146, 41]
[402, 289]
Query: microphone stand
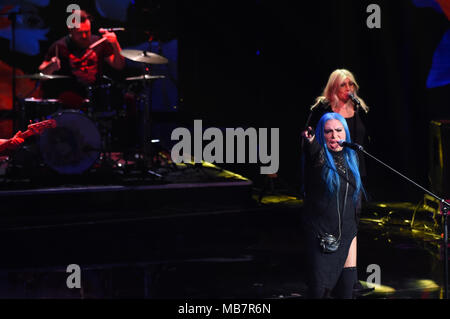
[444, 210]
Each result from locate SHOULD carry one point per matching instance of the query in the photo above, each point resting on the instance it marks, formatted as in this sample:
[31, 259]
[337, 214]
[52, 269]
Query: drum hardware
[35, 106]
[42, 76]
[146, 58]
[145, 77]
[73, 146]
[35, 110]
[100, 104]
[81, 142]
[143, 56]
[103, 114]
[145, 120]
[106, 159]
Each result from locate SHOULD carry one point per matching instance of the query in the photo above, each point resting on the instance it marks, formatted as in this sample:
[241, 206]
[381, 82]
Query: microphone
[110, 29]
[354, 98]
[353, 146]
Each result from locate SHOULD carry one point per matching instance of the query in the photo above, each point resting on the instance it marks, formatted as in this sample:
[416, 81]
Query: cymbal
[143, 56]
[145, 77]
[41, 76]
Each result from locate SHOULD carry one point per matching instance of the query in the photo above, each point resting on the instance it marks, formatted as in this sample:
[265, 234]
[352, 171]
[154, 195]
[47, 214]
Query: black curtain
[261, 64]
[226, 81]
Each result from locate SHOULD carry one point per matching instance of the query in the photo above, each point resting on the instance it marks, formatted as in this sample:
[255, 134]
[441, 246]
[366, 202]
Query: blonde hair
[329, 94]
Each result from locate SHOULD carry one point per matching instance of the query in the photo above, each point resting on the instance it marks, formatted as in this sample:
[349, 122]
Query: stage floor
[208, 252]
[192, 231]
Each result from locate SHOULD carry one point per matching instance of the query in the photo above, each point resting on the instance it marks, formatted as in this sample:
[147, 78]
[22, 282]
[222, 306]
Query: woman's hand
[308, 134]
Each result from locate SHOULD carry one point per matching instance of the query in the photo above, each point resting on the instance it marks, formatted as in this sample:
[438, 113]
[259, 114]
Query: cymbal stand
[146, 120]
[147, 148]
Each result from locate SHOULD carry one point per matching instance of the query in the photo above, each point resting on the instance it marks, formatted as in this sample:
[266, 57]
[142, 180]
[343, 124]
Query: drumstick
[56, 51]
[93, 45]
[89, 50]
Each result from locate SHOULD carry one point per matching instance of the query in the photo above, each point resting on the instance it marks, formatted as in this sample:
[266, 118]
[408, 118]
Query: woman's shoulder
[362, 115]
[316, 112]
[321, 106]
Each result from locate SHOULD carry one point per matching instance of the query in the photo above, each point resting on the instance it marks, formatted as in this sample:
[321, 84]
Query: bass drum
[73, 146]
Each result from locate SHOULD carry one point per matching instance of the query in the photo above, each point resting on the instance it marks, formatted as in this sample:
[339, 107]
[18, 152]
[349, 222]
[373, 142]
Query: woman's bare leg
[351, 257]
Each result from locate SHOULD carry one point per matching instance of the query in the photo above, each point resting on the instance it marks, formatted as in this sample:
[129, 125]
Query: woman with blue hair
[333, 195]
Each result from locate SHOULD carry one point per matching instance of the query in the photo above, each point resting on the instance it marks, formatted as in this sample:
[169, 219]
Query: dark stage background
[225, 81]
[262, 63]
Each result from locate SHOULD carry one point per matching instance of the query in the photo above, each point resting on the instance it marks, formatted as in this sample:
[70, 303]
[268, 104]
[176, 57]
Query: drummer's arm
[116, 60]
[48, 67]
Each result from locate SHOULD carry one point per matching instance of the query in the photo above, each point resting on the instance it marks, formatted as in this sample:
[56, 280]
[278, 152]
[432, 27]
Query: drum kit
[82, 138]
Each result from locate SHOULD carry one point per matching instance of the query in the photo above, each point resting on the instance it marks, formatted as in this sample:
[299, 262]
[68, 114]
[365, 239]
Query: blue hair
[329, 171]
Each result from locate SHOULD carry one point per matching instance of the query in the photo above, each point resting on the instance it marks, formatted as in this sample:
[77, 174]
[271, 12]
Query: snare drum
[73, 146]
[36, 110]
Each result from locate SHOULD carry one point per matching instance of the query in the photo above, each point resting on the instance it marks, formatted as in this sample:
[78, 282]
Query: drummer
[80, 55]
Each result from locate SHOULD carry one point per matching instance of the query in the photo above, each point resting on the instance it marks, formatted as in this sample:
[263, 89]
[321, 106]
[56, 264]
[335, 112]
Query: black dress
[320, 216]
